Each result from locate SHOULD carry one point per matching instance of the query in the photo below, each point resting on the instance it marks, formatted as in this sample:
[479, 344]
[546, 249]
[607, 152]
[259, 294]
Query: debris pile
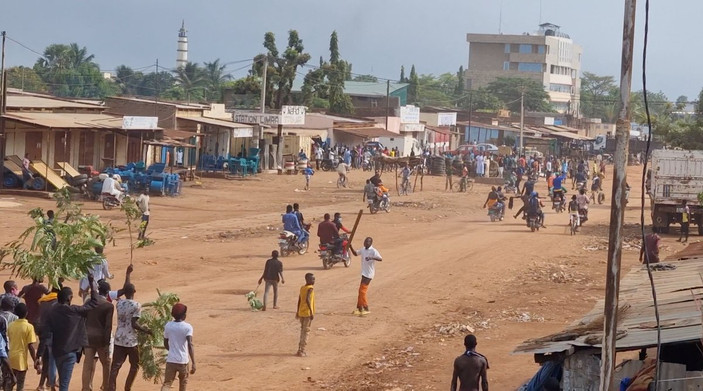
[558, 274]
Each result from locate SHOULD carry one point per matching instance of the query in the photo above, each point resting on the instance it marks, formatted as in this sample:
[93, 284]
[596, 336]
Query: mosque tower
[182, 53]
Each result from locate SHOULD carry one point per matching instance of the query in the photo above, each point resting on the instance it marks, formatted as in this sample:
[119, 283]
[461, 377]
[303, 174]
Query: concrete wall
[165, 112]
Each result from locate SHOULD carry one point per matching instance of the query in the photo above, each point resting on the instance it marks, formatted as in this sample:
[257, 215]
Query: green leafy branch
[133, 221]
[152, 353]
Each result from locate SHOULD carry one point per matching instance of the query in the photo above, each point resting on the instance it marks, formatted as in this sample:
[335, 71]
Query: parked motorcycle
[330, 255]
[383, 204]
[288, 243]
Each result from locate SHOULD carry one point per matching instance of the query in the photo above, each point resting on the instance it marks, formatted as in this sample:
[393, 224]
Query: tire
[373, 210]
[325, 265]
[106, 204]
[493, 218]
[347, 261]
[303, 249]
[284, 252]
[532, 228]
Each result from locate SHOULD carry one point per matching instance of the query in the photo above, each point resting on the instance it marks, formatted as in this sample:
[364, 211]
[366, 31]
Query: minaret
[182, 53]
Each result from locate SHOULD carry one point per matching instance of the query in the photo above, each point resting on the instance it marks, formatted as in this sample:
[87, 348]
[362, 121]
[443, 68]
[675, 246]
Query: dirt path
[445, 265]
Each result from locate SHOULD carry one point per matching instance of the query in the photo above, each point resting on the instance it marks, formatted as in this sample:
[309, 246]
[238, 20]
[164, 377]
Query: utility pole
[388, 100]
[617, 208]
[3, 109]
[260, 130]
[471, 109]
[522, 120]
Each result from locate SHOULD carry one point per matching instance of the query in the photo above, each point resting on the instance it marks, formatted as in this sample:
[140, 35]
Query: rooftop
[69, 120]
[360, 88]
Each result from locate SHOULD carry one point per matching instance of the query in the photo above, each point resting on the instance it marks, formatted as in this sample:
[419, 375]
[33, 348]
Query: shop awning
[367, 132]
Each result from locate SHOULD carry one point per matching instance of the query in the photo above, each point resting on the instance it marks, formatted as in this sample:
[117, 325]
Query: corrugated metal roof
[216, 122]
[40, 102]
[359, 88]
[69, 120]
[680, 317]
[185, 106]
[368, 132]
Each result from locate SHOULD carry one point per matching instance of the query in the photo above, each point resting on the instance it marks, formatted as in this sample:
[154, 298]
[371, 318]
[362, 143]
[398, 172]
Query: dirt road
[445, 266]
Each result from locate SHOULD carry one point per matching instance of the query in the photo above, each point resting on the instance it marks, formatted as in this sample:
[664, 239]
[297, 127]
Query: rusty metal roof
[69, 120]
[677, 292]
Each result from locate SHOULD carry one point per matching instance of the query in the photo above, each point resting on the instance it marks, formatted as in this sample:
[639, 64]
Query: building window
[525, 49]
[560, 88]
[507, 48]
[506, 65]
[540, 49]
[529, 67]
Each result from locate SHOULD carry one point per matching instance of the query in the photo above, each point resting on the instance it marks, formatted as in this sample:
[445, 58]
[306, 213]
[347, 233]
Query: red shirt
[327, 231]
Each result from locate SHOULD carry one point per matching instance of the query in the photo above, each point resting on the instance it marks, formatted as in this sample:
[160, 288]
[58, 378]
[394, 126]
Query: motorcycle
[109, 201]
[509, 187]
[383, 204]
[533, 222]
[329, 164]
[583, 216]
[558, 203]
[288, 243]
[330, 255]
[367, 165]
[495, 212]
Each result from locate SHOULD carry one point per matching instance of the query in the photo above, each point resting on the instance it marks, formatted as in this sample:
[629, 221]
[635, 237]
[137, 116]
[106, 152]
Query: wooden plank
[12, 166]
[68, 168]
[50, 175]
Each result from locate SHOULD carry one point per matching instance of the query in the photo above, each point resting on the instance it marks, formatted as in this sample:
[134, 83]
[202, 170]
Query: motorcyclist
[529, 186]
[574, 210]
[301, 219]
[291, 224]
[492, 200]
[376, 179]
[112, 187]
[338, 240]
[534, 208]
[583, 201]
[581, 179]
[558, 189]
[379, 191]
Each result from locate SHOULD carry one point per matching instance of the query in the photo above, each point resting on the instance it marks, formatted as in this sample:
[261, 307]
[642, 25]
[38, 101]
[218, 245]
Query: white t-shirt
[100, 271]
[368, 266]
[176, 333]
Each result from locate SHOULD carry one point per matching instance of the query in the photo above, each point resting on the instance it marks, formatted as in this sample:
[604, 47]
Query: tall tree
[366, 78]
[336, 72]
[191, 79]
[25, 79]
[459, 90]
[402, 75]
[281, 71]
[215, 77]
[510, 89]
[128, 80]
[414, 82]
[599, 96]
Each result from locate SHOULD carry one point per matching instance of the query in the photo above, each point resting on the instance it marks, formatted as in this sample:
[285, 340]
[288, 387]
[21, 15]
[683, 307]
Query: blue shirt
[557, 182]
[291, 223]
[308, 171]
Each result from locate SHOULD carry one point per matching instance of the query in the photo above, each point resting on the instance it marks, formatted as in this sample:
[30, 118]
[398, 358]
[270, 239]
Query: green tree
[336, 72]
[153, 84]
[482, 100]
[281, 70]
[191, 79]
[459, 90]
[242, 93]
[599, 97]
[414, 82]
[366, 78]
[215, 77]
[402, 75]
[509, 91]
[25, 79]
[436, 91]
[128, 80]
[681, 102]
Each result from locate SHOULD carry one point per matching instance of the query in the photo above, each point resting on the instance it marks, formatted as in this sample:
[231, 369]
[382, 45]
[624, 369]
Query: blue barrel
[10, 181]
[156, 186]
[38, 184]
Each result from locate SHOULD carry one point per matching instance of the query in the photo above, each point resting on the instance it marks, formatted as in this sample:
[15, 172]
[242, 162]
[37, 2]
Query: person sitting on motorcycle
[379, 191]
[301, 219]
[338, 240]
[376, 179]
[534, 208]
[581, 179]
[112, 187]
[583, 201]
[492, 198]
[327, 231]
[558, 189]
[574, 210]
[291, 224]
[369, 191]
[529, 186]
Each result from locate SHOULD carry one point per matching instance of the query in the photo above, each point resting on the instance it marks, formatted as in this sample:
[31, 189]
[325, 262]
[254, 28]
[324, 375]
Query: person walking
[128, 313]
[273, 273]
[31, 294]
[685, 220]
[99, 330]
[448, 185]
[318, 157]
[178, 340]
[65, 331]
[305, 312]
[22, 341]
[48, 373]
[470, 368]
[369, 256]
[143, 205]
[11, 292]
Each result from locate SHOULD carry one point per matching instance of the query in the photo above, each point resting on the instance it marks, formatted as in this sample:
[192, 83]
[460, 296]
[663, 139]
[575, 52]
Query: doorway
[33, 145]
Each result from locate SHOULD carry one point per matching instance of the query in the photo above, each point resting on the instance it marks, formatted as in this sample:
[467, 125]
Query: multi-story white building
[549, 56]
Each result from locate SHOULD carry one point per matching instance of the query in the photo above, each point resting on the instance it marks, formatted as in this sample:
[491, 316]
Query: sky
[377, 37]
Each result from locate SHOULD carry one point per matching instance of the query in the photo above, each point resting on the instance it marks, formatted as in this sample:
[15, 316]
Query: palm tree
[214, 75]
[190, 77]
[79, 56]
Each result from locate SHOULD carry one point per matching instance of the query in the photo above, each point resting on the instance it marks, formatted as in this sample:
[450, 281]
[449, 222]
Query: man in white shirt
[318, 157]
[178, 339]
[100, 271]
[143, 204]
[110, 186]
[369, 256]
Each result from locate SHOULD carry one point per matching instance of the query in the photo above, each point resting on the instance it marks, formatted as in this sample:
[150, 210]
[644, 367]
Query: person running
[470, 368]
[178, 340]
[308, 173]
[143, 205]
[305, 312]
[685, 220]
[98, 326]
[273, 274]
[22, 341]
[369, 256]
[128, 313]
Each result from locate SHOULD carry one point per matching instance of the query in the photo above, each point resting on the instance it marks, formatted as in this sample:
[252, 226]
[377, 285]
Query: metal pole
[522, 120]
[260, 131]
[617, 209]
[471, 108]
[3, 108]
[388, 100]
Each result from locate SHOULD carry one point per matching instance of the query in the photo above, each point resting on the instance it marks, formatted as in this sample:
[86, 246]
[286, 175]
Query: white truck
[404, 143]
[675, 176]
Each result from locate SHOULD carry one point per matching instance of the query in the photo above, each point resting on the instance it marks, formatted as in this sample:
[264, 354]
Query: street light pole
[522, 120]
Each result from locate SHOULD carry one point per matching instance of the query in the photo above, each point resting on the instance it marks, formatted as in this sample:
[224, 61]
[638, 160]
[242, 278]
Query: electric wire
[643, 187]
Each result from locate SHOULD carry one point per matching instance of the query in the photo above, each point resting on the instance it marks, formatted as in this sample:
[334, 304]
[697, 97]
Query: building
[370, 99]
[550, 57]
[182, 51]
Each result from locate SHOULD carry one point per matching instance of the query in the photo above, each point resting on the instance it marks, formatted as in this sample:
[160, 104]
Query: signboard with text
[446, 119]
[141, 123]
[412, 127]
[252, 117]
[409, 114]
[293, 115]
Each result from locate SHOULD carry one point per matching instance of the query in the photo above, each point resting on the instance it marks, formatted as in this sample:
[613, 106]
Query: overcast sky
[377, 37]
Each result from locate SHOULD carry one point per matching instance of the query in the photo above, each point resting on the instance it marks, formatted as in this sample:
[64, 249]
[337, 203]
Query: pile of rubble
[521, 316]
[417, 205]
[559, 274]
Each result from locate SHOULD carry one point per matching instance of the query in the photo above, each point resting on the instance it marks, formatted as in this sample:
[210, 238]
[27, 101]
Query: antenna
[500, 18]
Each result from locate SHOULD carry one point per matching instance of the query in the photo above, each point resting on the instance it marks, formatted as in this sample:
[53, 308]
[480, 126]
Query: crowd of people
[43, 324]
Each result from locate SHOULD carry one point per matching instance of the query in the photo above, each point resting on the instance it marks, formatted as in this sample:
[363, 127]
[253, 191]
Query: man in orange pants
[369, 256]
